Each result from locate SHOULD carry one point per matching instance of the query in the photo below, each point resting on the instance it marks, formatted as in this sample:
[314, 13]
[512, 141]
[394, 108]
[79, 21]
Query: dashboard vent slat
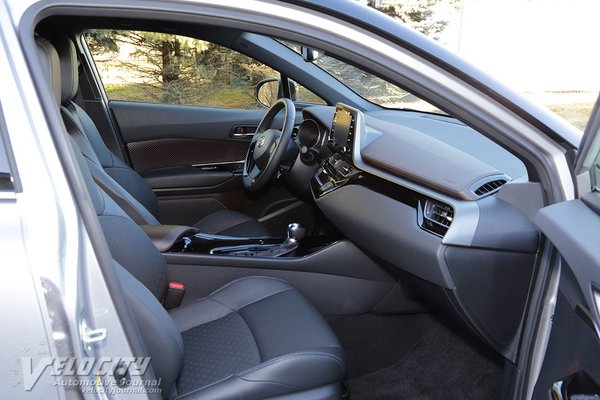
[489, 187]
[437, 217]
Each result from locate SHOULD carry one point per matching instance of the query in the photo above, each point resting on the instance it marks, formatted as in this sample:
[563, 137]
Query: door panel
[181, 209]
[571, 365]
[164, 135]
[187, 154]
[574, 229]
[192, 157]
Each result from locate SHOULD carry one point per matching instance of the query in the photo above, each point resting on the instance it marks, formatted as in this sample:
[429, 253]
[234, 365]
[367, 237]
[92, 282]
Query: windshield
[369, 86]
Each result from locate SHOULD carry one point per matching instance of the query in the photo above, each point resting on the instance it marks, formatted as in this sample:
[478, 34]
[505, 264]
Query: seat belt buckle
[173, 295]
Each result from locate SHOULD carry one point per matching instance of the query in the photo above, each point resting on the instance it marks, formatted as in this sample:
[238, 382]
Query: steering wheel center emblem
[260, 142]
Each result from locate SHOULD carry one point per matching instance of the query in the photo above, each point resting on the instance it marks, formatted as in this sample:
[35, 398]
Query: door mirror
[268, 91]
[293, 90]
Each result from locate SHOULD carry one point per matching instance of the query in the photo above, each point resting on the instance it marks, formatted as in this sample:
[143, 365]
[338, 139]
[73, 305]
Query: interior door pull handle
[242, 132]
[242, 135]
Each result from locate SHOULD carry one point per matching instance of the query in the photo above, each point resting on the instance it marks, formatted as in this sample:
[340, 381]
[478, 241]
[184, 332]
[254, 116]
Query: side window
[172, 69]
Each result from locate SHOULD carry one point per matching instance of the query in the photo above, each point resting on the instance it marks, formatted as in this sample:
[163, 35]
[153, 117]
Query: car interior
[301, 250]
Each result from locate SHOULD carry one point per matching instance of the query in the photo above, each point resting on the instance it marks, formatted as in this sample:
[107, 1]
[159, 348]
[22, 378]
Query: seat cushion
[257, 337]
[232, 223]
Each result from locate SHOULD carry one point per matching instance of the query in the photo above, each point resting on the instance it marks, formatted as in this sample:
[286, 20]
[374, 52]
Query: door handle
[242, 135]
[242, 132]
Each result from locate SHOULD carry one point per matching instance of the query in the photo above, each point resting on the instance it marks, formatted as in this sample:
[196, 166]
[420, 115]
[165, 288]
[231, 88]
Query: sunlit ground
[575, 107]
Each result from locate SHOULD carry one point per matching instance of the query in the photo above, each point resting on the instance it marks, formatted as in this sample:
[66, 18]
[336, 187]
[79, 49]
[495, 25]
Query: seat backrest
[142, 272]
[137, 211]
[141, 268]
[128, 180]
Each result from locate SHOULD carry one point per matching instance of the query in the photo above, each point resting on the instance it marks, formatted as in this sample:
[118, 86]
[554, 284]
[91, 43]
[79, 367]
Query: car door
[571, 365]
[185, 110]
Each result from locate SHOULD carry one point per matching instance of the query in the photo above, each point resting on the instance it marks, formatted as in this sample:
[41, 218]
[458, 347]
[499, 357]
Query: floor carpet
[415, 357]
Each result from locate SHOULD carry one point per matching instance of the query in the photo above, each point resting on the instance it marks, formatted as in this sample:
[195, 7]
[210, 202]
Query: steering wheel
[268, 146]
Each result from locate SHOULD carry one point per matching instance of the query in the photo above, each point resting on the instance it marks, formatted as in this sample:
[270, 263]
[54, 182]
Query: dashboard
[434, 199]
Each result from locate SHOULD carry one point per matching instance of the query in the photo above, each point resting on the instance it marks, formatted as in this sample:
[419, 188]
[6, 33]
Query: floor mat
[373, 342]
[442, 365]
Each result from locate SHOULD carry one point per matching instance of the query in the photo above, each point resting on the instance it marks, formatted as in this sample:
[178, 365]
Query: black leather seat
[120, 181]
[254, 338]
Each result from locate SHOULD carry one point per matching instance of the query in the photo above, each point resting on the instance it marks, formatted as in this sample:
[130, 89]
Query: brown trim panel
[159, 153]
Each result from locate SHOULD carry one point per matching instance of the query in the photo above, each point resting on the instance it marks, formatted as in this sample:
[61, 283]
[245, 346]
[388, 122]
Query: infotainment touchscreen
[342, 128]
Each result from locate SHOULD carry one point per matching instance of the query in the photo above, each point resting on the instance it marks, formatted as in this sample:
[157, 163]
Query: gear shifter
[295, 233]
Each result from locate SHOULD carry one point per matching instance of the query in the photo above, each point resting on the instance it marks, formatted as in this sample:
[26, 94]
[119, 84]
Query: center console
[183, 239]
[338, 169]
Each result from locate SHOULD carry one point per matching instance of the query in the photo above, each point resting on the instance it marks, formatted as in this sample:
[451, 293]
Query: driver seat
[124, 185]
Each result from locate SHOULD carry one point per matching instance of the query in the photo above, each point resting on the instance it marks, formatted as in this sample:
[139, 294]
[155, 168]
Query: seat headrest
[69, 74]
[50, 65]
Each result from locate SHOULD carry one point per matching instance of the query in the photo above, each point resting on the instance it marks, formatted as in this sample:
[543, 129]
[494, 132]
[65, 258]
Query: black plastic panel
[491, 292]
[186, 177]
[573, 349]
[339, 279]
[486, 284]
[388, 229]
[503, 226]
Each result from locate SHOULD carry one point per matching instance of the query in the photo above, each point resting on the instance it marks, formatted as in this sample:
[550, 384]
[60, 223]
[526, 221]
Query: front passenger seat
[118, 173]
[255, 338]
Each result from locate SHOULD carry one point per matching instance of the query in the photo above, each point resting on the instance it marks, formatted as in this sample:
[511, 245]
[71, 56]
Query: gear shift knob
[295, 232]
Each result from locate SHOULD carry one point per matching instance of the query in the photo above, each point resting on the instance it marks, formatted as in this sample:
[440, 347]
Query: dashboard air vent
[489, 187]
[437, 217]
